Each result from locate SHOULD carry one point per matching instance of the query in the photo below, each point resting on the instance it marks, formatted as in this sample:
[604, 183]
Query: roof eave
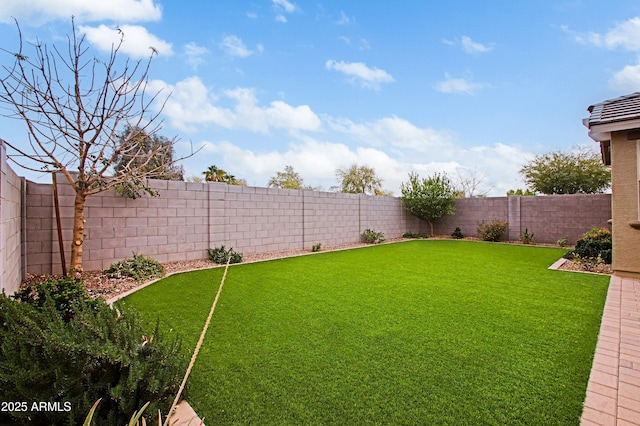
[602, 132]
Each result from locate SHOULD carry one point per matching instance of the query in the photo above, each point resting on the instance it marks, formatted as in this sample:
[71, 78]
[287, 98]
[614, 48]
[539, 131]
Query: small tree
[136, 148]
[287, 179]
[74, 106]
[358, 180]
[580, 171]
[429, 198]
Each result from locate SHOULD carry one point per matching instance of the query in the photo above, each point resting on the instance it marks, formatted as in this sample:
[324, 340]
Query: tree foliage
[287, 179]
[429, 198]
[216, 174]
[74, 106]
[578, 172]
[358, 180]
[144, 157]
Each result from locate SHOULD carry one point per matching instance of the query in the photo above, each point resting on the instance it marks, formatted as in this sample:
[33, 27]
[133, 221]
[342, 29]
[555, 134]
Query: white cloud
[281, 7]
[625, 35]
[38, 12]
[234, 46]
[192, 103]
[284, 5]
[344, 19]
[195, 54]
[317, 160]
[627, 79]
[361, 74]
[459, 85]
[474, 47]
[138, 42]
[396, 132]
[469, 45]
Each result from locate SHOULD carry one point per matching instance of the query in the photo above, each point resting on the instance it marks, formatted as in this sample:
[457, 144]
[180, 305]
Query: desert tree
[287, 179]
[579, 171]
[75, 106]
[136, 148]
[357, 179]
[429, 198]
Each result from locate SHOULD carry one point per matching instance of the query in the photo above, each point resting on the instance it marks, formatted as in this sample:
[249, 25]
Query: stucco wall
[10, 226]
[550, 218]
[624, 177]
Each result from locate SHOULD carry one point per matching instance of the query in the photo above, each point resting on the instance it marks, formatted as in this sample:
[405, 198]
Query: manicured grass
[420, 332]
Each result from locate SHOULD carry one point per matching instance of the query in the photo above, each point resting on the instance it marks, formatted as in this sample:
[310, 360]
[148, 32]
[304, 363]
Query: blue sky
[462, 87]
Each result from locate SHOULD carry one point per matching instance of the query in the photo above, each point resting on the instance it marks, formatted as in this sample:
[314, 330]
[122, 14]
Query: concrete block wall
[188, 218]
[331, 218]
[470, 211]
[553, 217]
[550, 217]
[11, 271]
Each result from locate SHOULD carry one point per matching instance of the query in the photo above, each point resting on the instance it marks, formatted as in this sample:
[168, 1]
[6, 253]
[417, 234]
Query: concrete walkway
[613, 393]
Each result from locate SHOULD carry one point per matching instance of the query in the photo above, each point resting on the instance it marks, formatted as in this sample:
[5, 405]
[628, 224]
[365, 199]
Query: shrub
[316, 247]
[138, 267]
[594, 243]
[64, 293]
[562, 242]
[99, 352]
[493, 230]
[221, 256]
[527, 237]
[412, 235]
[370, 236]
[457, 234]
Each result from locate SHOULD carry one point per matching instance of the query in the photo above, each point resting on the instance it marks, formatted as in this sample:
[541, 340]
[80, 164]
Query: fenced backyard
[419, 332]
[188, 218]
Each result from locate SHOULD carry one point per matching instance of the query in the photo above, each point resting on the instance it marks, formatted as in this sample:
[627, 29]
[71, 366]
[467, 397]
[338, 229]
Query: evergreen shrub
[97, 352]
[595, 243]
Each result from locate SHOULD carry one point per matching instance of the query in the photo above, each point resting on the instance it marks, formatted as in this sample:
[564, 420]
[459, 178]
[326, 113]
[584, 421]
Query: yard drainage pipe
[197, 349]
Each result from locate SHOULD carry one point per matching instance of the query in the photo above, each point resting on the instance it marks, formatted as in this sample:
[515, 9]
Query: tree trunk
[431, 227]
[78, 232]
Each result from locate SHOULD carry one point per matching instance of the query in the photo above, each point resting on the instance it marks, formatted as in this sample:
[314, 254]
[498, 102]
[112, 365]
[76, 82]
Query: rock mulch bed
[99, 285]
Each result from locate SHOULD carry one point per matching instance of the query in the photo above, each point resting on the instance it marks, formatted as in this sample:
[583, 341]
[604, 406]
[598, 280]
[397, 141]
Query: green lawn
[419, 332]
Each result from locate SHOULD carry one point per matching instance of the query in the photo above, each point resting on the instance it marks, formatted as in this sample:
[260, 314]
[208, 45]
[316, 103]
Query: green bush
[412, 235]
[595, 243]
[493, 230]
[63, 292]
[316, 247]
[457, 234]
[98, 352]
[221, 256]
[370, 236]
[138, 267]
[562, 242]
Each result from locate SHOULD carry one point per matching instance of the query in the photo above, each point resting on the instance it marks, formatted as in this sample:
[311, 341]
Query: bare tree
[471, 183]
[75, 106]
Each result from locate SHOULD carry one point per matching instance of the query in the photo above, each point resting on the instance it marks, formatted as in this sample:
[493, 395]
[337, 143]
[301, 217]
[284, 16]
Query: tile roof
[620, 109]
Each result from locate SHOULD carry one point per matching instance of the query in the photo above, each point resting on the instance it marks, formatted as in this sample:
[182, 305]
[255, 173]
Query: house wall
[550, 217]
[625, 187]
[10, 226]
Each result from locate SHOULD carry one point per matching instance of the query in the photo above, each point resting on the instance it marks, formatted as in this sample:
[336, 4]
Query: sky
[466, 88]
